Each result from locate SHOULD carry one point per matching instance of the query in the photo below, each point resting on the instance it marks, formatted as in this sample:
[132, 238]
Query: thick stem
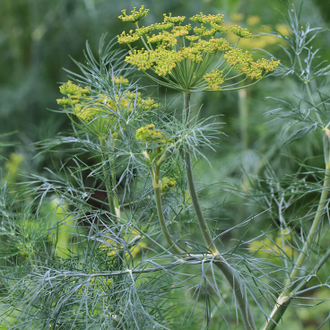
[221, 263]
[286, 296]
[240, 294]
[192, 189]
[198, 210]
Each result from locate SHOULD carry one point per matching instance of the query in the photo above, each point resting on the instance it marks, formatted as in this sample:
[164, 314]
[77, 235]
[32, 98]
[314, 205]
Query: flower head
[172, 55]
[167, 183]
[241, 32]
[135, 15]
[100, 112]
[203, 19]
[150, 134]
[128, 38]
[73, 90]
[243, 61]
[176, 20]
[119, 80]
[214, 79]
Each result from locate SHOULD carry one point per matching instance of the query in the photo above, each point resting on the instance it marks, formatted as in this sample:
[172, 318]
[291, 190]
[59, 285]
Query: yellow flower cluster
[240, 32]
[147, 29]
[193, 54]
[169, 39]
[128, 38]
[181, 46]
[243, 61]
[165, 38]
[272, 247]
[179, 31]
[88, 108]
[69, 102]
[73, 92]
[212, 45]
[176, 20]
[192, 38]
[142, 31]
[165, 60]
[143, 59]
[214, 79]
[119, 80]
[91, 108]
[267, 66]
[203, 19]
[135, 15]
[204, 32]
[150, 133]
[167, 183]
[162, 59]
[71, 89]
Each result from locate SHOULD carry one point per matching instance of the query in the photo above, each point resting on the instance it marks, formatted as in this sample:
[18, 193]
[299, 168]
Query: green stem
[149, 221]
[239, 292]
[286, 296]
[243, 114]
[315, 270]
[162, 222]
[221, 263]
[195, 201]
[108, 181]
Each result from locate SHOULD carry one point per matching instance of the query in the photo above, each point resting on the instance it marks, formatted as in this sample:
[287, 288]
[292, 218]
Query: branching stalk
[221, 263]
[288, 293]
[286, 296]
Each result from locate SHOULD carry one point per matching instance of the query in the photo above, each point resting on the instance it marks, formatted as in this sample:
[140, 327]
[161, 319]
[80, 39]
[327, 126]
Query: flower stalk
[158, 197]
[221, 263]
[288, 293]
[192, 189]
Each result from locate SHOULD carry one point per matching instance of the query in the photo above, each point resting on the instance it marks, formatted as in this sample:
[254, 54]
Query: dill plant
[102, 242]
[192, 60]
[310, 113]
